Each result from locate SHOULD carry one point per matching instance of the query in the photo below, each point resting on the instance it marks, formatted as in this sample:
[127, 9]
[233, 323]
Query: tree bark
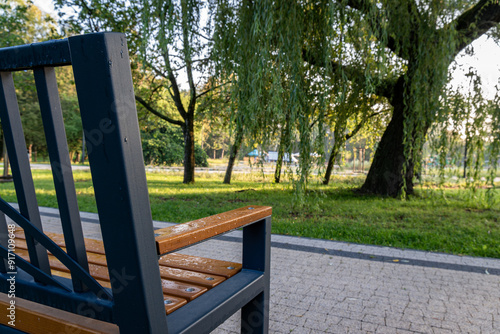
[284, 140]
[232, 156]
[279, 163]
[189, 161]
[385, 176]
[331, 163]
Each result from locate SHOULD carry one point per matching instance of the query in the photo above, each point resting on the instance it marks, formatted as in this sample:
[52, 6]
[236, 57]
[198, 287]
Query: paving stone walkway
[320, 286]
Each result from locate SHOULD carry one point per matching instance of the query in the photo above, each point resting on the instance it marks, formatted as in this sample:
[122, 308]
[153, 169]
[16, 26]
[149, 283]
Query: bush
[164, 145]
[200, 156]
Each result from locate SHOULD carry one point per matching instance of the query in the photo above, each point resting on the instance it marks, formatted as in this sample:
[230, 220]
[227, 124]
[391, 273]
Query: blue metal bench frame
[104, 86]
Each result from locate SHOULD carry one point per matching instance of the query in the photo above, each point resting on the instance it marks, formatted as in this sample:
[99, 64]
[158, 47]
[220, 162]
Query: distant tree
[168, 40]
[21, 22]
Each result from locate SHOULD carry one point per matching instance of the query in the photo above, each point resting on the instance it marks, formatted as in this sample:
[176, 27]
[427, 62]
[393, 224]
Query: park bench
[132, 281]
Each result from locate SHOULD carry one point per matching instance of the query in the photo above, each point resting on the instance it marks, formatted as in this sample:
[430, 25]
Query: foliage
[295, 60]
[163, 145]
[168, 41]
[71, 109]
[21, 22]
[13, 16]
[261, 48]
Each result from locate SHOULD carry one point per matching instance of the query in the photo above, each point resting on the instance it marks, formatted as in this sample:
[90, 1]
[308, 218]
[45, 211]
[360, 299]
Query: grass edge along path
[452, 220]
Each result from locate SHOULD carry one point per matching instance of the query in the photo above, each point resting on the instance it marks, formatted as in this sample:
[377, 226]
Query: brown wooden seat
[37, 318]
[184, 277]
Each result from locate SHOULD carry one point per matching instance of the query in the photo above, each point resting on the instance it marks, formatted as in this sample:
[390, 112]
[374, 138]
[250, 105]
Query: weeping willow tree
[277, 93]
[289, 56]
[428, 36]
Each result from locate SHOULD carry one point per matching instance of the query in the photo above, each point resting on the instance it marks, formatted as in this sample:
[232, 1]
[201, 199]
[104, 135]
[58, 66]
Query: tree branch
[187, 57]
[212, 88]
[385, 87]
[360, 125]
[476, 21]
[374, 17]
[157, 113]
[175, 94]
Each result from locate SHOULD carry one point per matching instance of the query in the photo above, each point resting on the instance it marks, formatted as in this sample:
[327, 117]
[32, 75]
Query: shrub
[164, 145]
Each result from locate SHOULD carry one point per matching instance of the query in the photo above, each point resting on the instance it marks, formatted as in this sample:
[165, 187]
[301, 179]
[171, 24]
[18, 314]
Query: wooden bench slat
[178, 236]
[91, 245]
[41, 319]
[201, 264]
[208, 279]
[178, 289]
[95, 254]
[187, 276]
[172, 303]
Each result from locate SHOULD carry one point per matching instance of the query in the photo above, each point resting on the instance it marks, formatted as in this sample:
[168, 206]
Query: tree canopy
[289, 74]
[295, 60]
[168, 40]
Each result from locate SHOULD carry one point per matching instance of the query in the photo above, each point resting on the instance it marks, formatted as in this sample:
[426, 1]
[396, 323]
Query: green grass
[454, 220]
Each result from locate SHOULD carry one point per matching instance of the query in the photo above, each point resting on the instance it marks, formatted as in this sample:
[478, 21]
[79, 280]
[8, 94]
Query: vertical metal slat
[106, 95]
[53, 124]
[23, 180]
[257, 256]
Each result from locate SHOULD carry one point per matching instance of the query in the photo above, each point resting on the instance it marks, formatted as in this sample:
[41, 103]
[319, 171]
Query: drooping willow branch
[384, 87]
[375, 19]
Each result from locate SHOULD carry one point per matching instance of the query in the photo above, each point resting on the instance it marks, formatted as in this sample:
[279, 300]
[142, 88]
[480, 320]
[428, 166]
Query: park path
[320, 286]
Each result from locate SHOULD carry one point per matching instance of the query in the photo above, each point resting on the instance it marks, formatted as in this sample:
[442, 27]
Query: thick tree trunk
[232, 156]
[189, 161]
[385, 176]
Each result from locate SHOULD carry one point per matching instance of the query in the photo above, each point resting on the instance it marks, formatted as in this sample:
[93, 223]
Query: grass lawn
[448, 220]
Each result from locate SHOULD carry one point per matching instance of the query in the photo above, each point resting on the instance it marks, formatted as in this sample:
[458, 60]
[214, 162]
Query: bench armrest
[178, 236]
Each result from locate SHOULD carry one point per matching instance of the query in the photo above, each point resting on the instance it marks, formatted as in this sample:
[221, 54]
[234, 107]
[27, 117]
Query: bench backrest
[104, 87]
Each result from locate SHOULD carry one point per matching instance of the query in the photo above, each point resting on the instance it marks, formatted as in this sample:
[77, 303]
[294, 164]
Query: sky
[486, 59]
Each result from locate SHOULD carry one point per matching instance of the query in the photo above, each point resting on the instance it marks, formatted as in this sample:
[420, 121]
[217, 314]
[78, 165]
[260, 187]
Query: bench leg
[256, 256]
